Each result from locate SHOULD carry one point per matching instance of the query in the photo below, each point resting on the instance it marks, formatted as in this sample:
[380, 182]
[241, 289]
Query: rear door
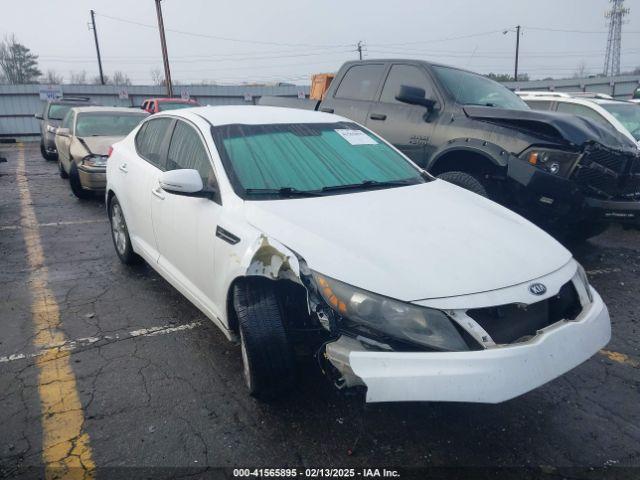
[185, 227]
[357, 89]
[139, 174]
[408, 127]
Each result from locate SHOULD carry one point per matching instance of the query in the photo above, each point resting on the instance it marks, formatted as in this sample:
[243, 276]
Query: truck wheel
[120, 234]
[63, 173]
[76, 185]
[267, 355]
[466, 181]
[584, 230]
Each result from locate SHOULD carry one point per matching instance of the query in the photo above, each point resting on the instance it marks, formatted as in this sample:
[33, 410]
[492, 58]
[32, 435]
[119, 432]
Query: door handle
[378, 116]
[158, 193]
[326, 109]
[123, 167]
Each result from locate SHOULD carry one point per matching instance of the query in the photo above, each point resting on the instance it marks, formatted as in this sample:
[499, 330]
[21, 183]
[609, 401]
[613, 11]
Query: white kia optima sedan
[293, 228]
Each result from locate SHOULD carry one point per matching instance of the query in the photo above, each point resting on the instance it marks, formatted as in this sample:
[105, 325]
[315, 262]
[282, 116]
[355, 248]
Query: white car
[287, 226]
[622, 115]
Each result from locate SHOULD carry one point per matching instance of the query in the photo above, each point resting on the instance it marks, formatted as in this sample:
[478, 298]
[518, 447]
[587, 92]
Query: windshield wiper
[367, 184]
[283, 192]
[481, 104]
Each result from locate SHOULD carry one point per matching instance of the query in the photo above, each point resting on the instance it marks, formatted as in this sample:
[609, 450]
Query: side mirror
[63, 132]
[415, 96]
[39, 116]
[184, 182]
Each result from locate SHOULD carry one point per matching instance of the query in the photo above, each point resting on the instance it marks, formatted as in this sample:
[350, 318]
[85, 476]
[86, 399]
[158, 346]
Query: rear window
[360, 82]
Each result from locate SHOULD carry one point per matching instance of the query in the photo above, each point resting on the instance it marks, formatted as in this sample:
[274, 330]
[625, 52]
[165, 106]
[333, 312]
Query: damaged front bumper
[491, 375]
[593, 192]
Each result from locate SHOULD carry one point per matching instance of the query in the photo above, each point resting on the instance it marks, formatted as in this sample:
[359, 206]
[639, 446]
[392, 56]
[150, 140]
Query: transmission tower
[612, 58]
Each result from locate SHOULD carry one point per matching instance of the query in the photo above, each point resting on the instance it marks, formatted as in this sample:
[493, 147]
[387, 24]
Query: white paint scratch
[71, 345]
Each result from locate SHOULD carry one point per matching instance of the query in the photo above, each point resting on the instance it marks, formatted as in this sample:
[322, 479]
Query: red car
[154, 105]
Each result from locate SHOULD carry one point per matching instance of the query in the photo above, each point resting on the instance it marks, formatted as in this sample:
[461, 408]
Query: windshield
[628, 114]
[471, 89]
[174, 105]
[106, 124]
[267, 161]
[57, 111]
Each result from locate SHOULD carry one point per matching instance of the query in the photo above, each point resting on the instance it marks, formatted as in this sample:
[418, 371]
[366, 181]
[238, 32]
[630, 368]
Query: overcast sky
[285, 40]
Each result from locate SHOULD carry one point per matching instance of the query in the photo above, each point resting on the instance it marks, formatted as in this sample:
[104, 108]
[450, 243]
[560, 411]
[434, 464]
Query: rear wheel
[466, 181]
[76, 185]
[120, 234]
[267, 355]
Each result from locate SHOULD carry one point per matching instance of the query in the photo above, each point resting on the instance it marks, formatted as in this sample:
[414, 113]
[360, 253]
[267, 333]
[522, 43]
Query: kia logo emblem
[537, 289]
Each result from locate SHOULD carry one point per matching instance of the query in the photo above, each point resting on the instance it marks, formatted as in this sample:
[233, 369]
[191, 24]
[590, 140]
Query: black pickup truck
[564, 172]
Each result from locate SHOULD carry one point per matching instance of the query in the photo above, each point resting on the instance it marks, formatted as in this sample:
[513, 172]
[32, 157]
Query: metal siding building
[19, 103]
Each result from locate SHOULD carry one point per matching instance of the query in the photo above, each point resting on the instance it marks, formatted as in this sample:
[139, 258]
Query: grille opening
[608, 175]
[516, 322]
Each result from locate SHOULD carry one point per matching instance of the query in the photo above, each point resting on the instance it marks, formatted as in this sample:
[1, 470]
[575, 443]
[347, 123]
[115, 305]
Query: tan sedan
[83, 141]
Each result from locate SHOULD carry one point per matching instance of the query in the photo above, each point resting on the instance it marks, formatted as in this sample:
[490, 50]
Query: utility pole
[95, 37]
[360, 49]
[515, 75]
[163, 44]
[614, 40]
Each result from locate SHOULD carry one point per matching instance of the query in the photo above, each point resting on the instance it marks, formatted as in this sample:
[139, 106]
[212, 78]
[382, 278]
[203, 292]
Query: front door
[408, 127]
[140, 175]
[63, 142]
[185, 227]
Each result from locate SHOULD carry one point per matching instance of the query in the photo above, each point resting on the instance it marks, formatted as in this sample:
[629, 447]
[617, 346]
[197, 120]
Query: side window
[360, 82]
[187, 151]
[152, 107]
[539, 104]
[581, 110]
[150, 139]
[408, 75]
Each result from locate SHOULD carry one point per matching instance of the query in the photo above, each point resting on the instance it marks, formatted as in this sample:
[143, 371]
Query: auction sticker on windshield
[356, 137]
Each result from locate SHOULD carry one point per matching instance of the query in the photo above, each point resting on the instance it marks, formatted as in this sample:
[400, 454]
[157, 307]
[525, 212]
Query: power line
[215, 37]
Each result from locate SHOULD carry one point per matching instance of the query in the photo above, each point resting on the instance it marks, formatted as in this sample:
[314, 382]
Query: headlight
[557, 162]
[361, 309]
[95, 160]
[582, 275]
[51, 129]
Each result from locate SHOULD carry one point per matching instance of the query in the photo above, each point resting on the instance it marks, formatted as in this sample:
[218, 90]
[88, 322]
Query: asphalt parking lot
[157, 385]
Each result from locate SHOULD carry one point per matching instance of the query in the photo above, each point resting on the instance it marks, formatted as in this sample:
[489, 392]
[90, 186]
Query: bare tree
[120, 78]
[17, 62]
[78, 78]
[157, 77]
[581, 70]
[52, 77]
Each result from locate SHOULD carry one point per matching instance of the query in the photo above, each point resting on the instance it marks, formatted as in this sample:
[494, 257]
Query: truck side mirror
[415, 96]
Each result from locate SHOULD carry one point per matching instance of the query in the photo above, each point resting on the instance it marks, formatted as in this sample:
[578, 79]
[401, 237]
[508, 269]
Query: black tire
[584, 230]
[120, 234]
[76, 186]
[46, 155]
[466, 181]
[61, 170]
[267, 355]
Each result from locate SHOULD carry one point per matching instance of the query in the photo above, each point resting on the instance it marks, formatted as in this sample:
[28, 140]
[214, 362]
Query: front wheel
[120, 234]
[466, 181]
[267, 355]
[61, 170]
[45, 155]
[76, 185]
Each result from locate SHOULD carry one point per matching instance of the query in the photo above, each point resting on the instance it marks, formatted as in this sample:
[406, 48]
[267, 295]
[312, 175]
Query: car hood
[558, 127]
[99, 145]
[417, 242]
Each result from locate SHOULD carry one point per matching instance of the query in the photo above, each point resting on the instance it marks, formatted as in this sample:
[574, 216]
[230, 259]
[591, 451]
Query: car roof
[102, 109]
[171, 99]
[254, 115]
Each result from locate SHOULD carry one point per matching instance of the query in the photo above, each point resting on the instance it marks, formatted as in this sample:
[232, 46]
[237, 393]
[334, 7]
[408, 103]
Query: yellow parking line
[65, 446]
[620, 358]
